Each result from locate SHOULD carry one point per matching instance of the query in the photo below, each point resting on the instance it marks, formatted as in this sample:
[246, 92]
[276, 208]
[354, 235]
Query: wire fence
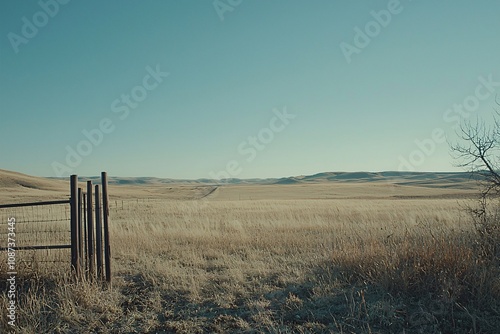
[75, 231]
[41, 236]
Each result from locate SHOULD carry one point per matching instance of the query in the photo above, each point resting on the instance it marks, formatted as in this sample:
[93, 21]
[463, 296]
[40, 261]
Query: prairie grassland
[339, 265]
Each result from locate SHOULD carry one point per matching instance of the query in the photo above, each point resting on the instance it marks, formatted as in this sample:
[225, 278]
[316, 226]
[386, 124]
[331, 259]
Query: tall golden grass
[280, 266]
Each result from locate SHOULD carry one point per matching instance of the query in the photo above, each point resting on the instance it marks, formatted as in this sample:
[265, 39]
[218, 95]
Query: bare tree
[478, 151]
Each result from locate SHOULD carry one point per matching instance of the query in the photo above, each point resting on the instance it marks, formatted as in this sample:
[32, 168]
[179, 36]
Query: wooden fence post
[80, 230]
[105, 206]
[81, 214]
[75, 263]
[90, 230]
[84, 225]
[98, 232]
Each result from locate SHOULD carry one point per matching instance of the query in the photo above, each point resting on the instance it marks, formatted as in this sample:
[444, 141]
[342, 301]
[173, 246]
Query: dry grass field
[315, 258]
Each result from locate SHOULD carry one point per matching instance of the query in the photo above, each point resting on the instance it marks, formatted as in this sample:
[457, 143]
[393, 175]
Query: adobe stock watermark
[250, 148]
[121, 108]
[454, 115]
[363, 37]
[11, 272]
[223, 6]
[31, 26]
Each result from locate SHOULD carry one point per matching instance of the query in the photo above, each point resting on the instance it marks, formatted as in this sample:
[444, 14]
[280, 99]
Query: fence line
[26, 217]
[38, 247]
[5, 206]
[85, 248]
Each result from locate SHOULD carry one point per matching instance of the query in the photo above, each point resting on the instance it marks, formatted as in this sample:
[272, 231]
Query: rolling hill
[13, 180]
[16, 187]
[9, 179]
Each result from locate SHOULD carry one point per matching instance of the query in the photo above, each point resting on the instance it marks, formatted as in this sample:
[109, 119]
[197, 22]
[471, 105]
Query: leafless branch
[479, 152]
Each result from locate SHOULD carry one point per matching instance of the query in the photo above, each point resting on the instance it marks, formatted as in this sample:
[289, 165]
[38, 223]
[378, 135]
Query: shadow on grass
[328, 301]
[324, 303]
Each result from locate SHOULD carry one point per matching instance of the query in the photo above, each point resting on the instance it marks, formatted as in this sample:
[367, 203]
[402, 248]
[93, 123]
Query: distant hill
[424, 179]
[10, 179]
[287, 180]
[13, 180]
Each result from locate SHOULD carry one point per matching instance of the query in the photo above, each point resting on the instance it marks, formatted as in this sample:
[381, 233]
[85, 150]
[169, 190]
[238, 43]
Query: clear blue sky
[231, 70]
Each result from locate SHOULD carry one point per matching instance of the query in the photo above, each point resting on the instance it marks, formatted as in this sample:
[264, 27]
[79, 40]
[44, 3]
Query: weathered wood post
[105, 206]
[84, 225]
[98, 232]
[81, 244]
[90, 230]
[75, 263]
